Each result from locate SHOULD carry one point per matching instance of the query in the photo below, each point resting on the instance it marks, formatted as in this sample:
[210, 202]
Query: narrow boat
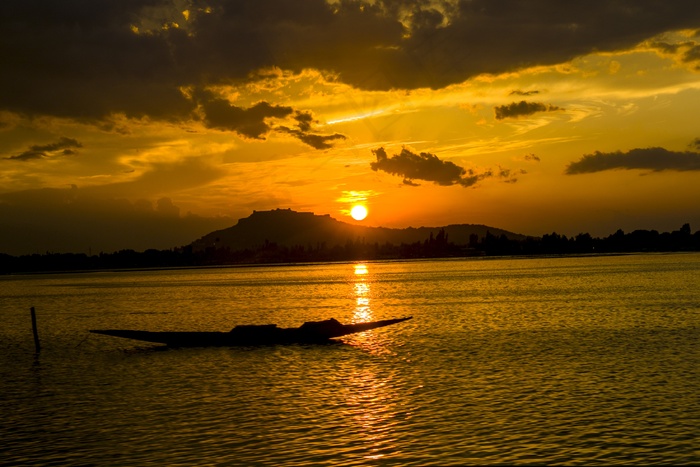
[266, 334]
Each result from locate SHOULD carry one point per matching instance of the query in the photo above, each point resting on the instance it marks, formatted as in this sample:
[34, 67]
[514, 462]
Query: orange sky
[147, 124]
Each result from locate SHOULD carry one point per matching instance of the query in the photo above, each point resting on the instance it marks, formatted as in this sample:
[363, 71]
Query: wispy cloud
[62, 147]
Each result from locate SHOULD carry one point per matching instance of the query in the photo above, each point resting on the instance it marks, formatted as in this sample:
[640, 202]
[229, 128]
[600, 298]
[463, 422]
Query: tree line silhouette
[435, 246]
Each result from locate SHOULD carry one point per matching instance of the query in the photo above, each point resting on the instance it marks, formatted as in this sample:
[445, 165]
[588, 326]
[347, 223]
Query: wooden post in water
[36, 333]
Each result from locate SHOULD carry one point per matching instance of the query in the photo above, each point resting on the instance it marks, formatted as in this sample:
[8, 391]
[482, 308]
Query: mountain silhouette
[285, 227]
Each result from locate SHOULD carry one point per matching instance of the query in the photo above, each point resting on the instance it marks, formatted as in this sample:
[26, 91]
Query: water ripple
[575, 362]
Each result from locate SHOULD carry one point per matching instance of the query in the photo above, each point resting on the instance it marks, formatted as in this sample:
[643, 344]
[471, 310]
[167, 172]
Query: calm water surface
[590, 360]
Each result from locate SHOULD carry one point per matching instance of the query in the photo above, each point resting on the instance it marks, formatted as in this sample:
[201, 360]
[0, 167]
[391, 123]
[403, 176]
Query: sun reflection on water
[371, 397]
[363, 312]
[374, 342]
[371, 401]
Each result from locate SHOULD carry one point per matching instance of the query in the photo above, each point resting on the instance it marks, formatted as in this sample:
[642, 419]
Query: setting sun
[358, 212]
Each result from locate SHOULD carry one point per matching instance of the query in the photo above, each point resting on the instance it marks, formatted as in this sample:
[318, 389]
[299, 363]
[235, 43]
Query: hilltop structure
[287, 228]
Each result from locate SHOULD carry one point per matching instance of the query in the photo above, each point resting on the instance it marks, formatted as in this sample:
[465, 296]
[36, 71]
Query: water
[573, 361]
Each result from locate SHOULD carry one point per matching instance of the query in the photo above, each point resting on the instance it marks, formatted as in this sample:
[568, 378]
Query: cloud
[518, 92]
[425, 166]
[687, 52]
[522, 108]
[313, 140]
[509, 175]
[162, 177]
[654, 159]
[303, 133]
[62, 147]
[304, 120]
[466, 39]
[692, 54]
[256, 122]
[531, 157]
[89, 60]
[165, 207]
[110, 217]
[251, 122]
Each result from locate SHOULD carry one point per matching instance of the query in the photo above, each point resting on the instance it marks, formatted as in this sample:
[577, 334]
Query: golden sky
[149, 123]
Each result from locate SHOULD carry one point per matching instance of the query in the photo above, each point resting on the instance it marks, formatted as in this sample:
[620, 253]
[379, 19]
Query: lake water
[571, 361]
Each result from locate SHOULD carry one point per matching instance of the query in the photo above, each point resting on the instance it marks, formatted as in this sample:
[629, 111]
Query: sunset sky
[147, 123]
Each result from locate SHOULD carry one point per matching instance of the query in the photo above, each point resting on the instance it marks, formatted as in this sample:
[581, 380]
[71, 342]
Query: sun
[358, 212]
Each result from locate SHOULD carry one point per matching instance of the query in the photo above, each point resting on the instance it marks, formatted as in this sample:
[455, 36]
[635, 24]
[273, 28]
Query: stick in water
[36, 333]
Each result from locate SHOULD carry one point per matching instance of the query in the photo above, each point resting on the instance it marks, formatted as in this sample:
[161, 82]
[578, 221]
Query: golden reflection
[361, 269]
[363, 312]
[372, 403]
[375, 343]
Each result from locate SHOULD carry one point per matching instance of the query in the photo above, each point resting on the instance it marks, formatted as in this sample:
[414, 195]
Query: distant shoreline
[314, 263]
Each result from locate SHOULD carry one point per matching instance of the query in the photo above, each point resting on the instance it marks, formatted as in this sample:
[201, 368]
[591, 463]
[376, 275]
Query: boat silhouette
[311, 332]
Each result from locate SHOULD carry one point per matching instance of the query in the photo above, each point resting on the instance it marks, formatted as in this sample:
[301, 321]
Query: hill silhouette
[286, 236]
[287, 228]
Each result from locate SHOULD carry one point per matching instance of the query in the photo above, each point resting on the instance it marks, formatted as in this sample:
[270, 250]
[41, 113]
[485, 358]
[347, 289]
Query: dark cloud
[82, 60]
[695, 144]
[257, 121]
[665, 47]
[518, 92]
[510, 175]
[304, 120]
[504, 173]
[531, 157]
[484, 36]
[522, 108]
[689, 51]
[304, 134]
[654, 159]
[692, 55]
[425, 166]
[251, 122]
[63, 147]
[88, 60]
[313, 140]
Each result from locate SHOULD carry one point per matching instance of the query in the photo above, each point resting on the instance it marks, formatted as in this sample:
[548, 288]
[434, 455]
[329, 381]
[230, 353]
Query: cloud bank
[654, 159]
[88, 60]
[79, 220]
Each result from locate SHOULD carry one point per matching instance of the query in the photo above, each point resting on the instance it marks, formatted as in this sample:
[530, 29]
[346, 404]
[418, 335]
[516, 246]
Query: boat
[311, 332]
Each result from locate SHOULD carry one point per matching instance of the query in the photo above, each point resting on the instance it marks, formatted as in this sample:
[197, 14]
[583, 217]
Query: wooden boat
[266, 334]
